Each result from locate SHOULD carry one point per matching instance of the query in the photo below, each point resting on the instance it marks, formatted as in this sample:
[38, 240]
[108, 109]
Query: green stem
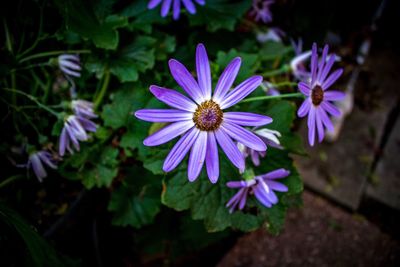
[8, 38]
[269, 97]
[282, 70]
[10, 180]
[54, 53]
[31, 97]
[103, 90]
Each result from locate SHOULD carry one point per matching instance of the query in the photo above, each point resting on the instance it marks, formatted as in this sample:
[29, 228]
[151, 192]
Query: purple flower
[297, 64]
[176, 6]
[74, 130]
[83, 108]
[262, 186]
[317, 104]
[273, 34]
[200, 118]
[261, 10]
[70, 65]
[270, 138]
[36, 161]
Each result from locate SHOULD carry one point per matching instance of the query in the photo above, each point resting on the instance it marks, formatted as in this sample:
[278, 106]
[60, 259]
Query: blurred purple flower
[261, 10]
[74, 130]
[36, 161]
[273, 34]
[176, 6]
[83, 108]
[317, 103]
[201, 119]
[270, 138]
[70, 65]
[297, 64]
[262, 186]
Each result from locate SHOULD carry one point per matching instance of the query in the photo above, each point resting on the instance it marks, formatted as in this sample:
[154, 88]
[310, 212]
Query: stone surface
[319, 234]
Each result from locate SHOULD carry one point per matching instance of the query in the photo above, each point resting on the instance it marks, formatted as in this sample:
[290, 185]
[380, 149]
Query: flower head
[201, 118]
[318, 102]
[176, 6]
[83, 108]
[36, 161]
[297, 64]
[75, 130]
[70, 65]
[262, 186]
[261, 10]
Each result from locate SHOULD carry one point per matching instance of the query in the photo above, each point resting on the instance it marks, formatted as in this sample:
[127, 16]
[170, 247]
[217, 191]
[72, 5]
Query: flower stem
[103, 90]
[54, 53]
[281, 70]
[31, 97]
[10, 180]
[269, 97]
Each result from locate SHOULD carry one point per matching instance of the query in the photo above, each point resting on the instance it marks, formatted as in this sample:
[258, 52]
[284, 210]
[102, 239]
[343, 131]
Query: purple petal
[153, 3]
[311, 126]
[240, 184]
[260, 195]
[197, 156]
[189, 6]
[70, 72]
[200, 2]
[46, 158]
[320, 127]
[73, 138]
[64, 141]
[331, 109]
[331, 79]
[88, 125]
[176, 9]
[180, 149]
[334, 95]
[168, 133]
[314, 62]
[203, 71]
[37, 167]
[304, 88]
[230, 149]
[226, 79]
[212, 160]
[327, 67]
[325, 119]
[166, 6]
[241, 91]
[234, 200]
[276, 186]
[322, 63]
[185, 80]
[173, 98]
[243, 198]
[304, 108]
[163, 115]
[271, 196]
[246, 118]
[244, 136]
[255, 157]
[276, 174]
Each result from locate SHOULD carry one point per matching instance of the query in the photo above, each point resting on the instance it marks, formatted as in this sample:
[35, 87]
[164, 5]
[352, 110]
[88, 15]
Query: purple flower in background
[70, 65]
[270, 138]
[317, 104]
[273, 34]
[262, 186]
[201, 120]
[297, 64]
[74, 130]
[36, 162]
[83, 108]
[261, 10]
[176, 6]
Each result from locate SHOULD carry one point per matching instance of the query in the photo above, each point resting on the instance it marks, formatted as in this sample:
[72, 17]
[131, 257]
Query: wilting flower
[36, 161]
[261, 10]
[270, 138]
[70, 65]
[176, 6]
[262, 186]
[83, 108]
[317, 103]
[74, 130]
[201, 119]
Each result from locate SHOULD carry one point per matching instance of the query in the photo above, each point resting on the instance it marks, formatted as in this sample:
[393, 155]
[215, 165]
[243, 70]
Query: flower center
[208, 116]
[317, 95]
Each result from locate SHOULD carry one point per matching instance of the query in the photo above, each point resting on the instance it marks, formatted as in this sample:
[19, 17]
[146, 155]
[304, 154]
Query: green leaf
[247, 68]
[137, 200]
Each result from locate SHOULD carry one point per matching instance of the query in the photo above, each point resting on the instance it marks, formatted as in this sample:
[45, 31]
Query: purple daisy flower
[70, 65]
[83, 108]
[261, 10]
[36, 161]
[74, 130]
[262, 186]
[176, 6]
[270, 138]
[201, 119]
[317, 104]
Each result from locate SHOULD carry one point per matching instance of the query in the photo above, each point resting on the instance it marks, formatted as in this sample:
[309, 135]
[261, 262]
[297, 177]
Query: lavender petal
[331, 79]
[163, 115]
[243, 136]
[246, 118]
[276, 186]
[334, 95]
[212, 160]
[304, 108]
[226, 79]
[230, 149]
[189, 6]
[173, 98]
[153, 3]
[304, 88]
[241, 91]
[311, 126]
[168, 133]
[166, 6]
[197, 156]
[331, 109]
[203, 70]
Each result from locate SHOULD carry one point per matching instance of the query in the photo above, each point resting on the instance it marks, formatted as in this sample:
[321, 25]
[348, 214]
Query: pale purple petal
[243, 199]
[246, 118]
[320, 127]
[183, 77]
[64, 141]
[88, 125]
[212, 160]
[173, 98]
[153, 3]
[46, 158]
[189, 6]
[203, 71]
[163, 115]
[226, 79]
[37, 167]
[276, 186]
[331, 109]
[70, 72]
[166, 6]
[304, 88]
[168, 133]
[276, 174]
[241, 183]
[327, 67]
[311, 126]
[314, 63]
[200, 2]
[176, 9]
[72, 137]
[322, 63]
[325, 119]
[255, 157]
[304, 108]
[241, 91]
[331, 79]
[334, 95]
[197, 156]
[244, 136]
[260, 195]
[180, 149]
[230, 149]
